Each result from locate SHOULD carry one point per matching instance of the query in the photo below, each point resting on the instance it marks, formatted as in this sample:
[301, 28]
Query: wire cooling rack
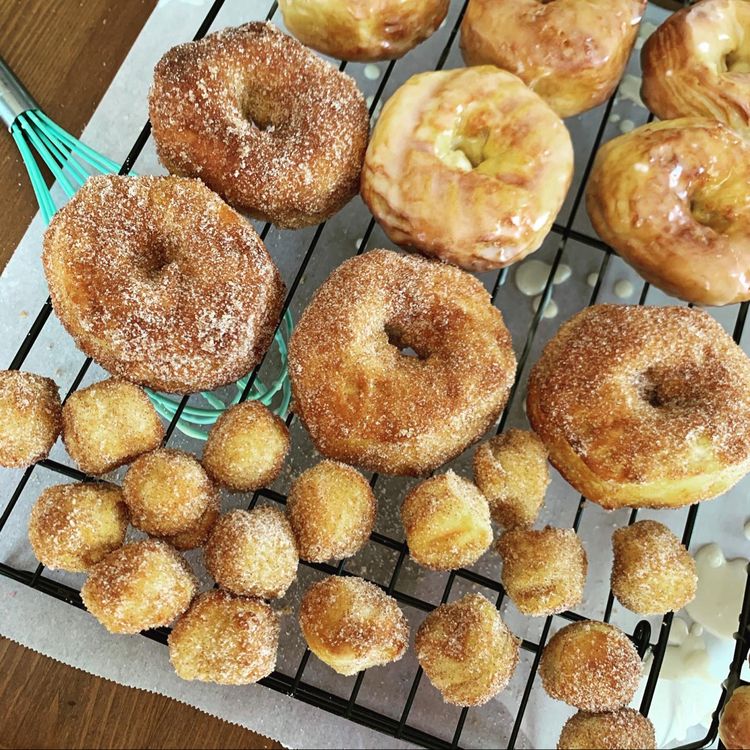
[300, 681]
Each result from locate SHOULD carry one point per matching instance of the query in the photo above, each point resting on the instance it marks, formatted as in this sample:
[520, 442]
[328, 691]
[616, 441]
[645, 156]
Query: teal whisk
[72, 162]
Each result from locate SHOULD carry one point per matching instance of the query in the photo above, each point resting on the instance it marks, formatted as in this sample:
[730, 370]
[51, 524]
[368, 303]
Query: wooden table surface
[66, 52]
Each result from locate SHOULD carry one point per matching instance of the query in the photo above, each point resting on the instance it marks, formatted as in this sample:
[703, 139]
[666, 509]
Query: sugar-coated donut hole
[652, 572]
[30, 417]
[624, 729]
[544, 572]
[226, 639]
[447, 522]
[466, 650]
[73, 526]
[108, 424]
[253, 553]
[511, 471]
[734, 724]
[140, 586]
[197, 534]
[591, 665]
[167, 492]
[246, 447]
[352, 624]
[331, 509]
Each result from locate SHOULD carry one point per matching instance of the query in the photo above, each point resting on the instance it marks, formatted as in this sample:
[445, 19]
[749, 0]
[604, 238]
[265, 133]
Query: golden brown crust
[246, 447]
[167, 492]
[267, 124]
[697, 61]
[140, 586]
[73, 526]
[357, 31]
[30, 417]
[667, 196]
[229, 640]
[108, 424]
[331, 509]
[591, 665]
[196, 535]
[571, 53]
[365, 403]
[466, 650]
[652, 573]
[161, 283]
[544, 572]
[447, 522]
[624, 729]
[511, 471]
[643, 406]
[253, 553]
[734, 725]
[468, 166]
[351, 624]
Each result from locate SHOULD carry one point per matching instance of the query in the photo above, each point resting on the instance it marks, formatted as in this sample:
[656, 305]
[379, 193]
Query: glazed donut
[697, 61]
[570, 52]
[362, 30]
[469, 166]
[366, 403]
[734, 726]
[643, 406]
[624, 729]
[672, 199]
[263, 121]
[161, 283]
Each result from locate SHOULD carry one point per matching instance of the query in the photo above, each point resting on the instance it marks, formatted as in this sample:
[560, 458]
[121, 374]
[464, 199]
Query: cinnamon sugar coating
[366, 403]
[161, 283]
[624, 729]
[269, 125]
[196, 535]
[643, 406]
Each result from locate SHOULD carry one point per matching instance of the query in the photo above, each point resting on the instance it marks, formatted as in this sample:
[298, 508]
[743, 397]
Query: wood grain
[66, 52]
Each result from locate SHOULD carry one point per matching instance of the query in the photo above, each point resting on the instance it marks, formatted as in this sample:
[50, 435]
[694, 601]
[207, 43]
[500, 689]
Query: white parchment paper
[70, 635]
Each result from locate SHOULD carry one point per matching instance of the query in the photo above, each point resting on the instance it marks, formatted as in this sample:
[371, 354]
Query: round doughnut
[670, 195]
[73, 526]
[30, 418]
[624, 729]
[197, 534]
[479, 189]
[230, 640]
[643, 406]
[108, 424]
[652, 573]
[511, 471]
[447, 522]
[161, 283]
[734, 725]
[263, 121]
[366, 402]
[544, 572]
[363, 31]
[246, 447]
[697, 61]
[140, 586]
[331, 509]
[466, 650]
[570, 52]
[253, 553]
[167, 492]
[351, 624]
[591, 665]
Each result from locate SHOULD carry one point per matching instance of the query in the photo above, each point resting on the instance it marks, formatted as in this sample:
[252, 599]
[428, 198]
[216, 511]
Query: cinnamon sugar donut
[161, 283]
[365, 402]
[697, 63]
[643, 406]
[672, 199]
[363, 30]
[271, 127]
[570, 52]
[624, 729]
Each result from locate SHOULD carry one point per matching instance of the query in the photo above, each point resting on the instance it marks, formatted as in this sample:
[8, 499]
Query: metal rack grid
[294, 683]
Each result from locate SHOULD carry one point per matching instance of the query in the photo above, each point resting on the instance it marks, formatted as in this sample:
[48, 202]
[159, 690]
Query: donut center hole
[738, 60]
[265, 115]
[159, 254]
[662, 389]
[461, 150]
[406, 346]
[709, 215]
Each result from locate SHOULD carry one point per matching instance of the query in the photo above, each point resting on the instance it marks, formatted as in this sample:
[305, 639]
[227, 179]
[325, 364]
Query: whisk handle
[14, 98]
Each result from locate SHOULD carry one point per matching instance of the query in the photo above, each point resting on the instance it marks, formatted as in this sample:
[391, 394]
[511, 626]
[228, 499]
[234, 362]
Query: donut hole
[264, 113]
[464, 147]
[709, 215]
[406, 344]
[667, 387]
[160, 253]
